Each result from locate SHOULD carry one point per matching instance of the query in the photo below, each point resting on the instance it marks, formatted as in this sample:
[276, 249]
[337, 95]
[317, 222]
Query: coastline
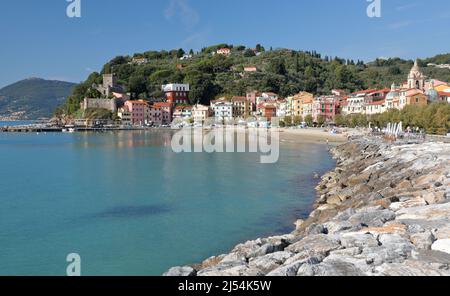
[384, 210]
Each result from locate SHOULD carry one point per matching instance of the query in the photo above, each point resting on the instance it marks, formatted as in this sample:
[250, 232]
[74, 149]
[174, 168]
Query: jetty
[383, 211]
[58, 129]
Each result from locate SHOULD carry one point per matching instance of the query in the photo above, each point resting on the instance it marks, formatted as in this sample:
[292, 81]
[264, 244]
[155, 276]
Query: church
[417, 90]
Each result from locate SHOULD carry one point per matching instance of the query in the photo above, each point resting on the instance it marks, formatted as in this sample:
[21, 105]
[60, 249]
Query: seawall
[384, 210]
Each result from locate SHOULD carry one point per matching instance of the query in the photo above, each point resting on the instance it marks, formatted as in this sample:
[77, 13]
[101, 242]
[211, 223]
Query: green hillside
[33, 98]
[283, 71]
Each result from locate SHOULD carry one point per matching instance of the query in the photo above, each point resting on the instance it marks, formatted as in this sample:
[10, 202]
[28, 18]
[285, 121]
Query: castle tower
[109, 80]
[416, 79]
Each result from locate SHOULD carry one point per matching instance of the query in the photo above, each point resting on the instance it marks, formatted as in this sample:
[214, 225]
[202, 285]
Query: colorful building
[165, 111]
[182, 112]
[223, 110]
[375, 107]
[176, 93]
[326, 107]
[269, 112]
[242, 106]
[201, 112]
[138, 110]
[301, 104]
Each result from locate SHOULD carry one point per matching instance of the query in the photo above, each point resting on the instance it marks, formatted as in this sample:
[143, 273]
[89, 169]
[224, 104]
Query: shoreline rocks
[384, 210]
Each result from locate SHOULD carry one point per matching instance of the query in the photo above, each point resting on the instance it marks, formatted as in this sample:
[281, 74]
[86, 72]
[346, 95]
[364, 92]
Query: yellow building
[416, 98]
[300, 104]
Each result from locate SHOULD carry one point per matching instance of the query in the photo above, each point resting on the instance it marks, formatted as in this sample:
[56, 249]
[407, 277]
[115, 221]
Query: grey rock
[345, 215]
[270, 262]
[330, 268]
[292, 268]
[230, 269]
[411, 268]
[339, 226]
[422, 240]
[429, 213]
[358, 239]
[375, 218]
[431, 256]
[346, 252]
[318, 243]
[181, 271]
[315, 229]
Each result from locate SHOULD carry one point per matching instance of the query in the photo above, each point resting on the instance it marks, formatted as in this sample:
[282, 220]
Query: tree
[180, 53]
[277, 66]
[137, 85]
[288, 121]
[321, 120]
[298, 120]
[309, 120]
[259, 48]
[248, 53]
[340, 120]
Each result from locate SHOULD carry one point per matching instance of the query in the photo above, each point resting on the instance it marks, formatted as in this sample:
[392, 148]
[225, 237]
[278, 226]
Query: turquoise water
[14, 123]
[130, 206]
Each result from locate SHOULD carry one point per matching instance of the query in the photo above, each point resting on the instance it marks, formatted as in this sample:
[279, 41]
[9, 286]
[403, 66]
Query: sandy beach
[312, 135]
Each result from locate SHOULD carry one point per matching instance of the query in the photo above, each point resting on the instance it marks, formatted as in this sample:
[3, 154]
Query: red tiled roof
[238, 98]
[368, 91]
[380, 102]
[162, 104]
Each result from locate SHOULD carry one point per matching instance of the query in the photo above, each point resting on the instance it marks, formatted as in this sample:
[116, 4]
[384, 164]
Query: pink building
[326, 107]
[138, 110]
[166, 109]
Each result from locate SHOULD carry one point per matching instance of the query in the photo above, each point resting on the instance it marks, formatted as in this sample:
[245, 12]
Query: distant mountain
[32, 98]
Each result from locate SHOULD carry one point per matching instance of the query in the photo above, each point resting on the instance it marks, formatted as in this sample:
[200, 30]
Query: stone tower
[109, 81]
[416, 79]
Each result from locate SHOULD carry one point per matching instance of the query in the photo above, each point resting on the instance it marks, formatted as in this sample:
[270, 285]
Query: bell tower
[416, 79]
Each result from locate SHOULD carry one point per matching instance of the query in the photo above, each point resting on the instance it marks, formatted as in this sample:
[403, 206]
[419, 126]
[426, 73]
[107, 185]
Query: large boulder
[374, 218]
[270, 262]
[181, 271]
[330, 268]
[358, 239]
[316, 244]
[442, 245]
[412, 268]
[429, 213]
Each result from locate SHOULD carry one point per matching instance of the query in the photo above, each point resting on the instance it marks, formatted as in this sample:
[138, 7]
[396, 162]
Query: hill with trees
[33, 98]
[282, 71]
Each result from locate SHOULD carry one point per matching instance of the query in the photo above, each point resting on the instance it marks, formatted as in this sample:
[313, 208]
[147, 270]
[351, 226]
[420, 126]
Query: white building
[266, 97]
[282, 108]
[376, 107]
[223, 110]
[125, 116]
[175, 87]
[355, 104]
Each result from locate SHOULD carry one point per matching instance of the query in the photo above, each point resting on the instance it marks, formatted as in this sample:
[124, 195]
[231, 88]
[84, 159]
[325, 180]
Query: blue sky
[39, 40]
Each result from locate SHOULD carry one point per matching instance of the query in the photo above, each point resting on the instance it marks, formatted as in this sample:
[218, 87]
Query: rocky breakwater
[384, 210]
